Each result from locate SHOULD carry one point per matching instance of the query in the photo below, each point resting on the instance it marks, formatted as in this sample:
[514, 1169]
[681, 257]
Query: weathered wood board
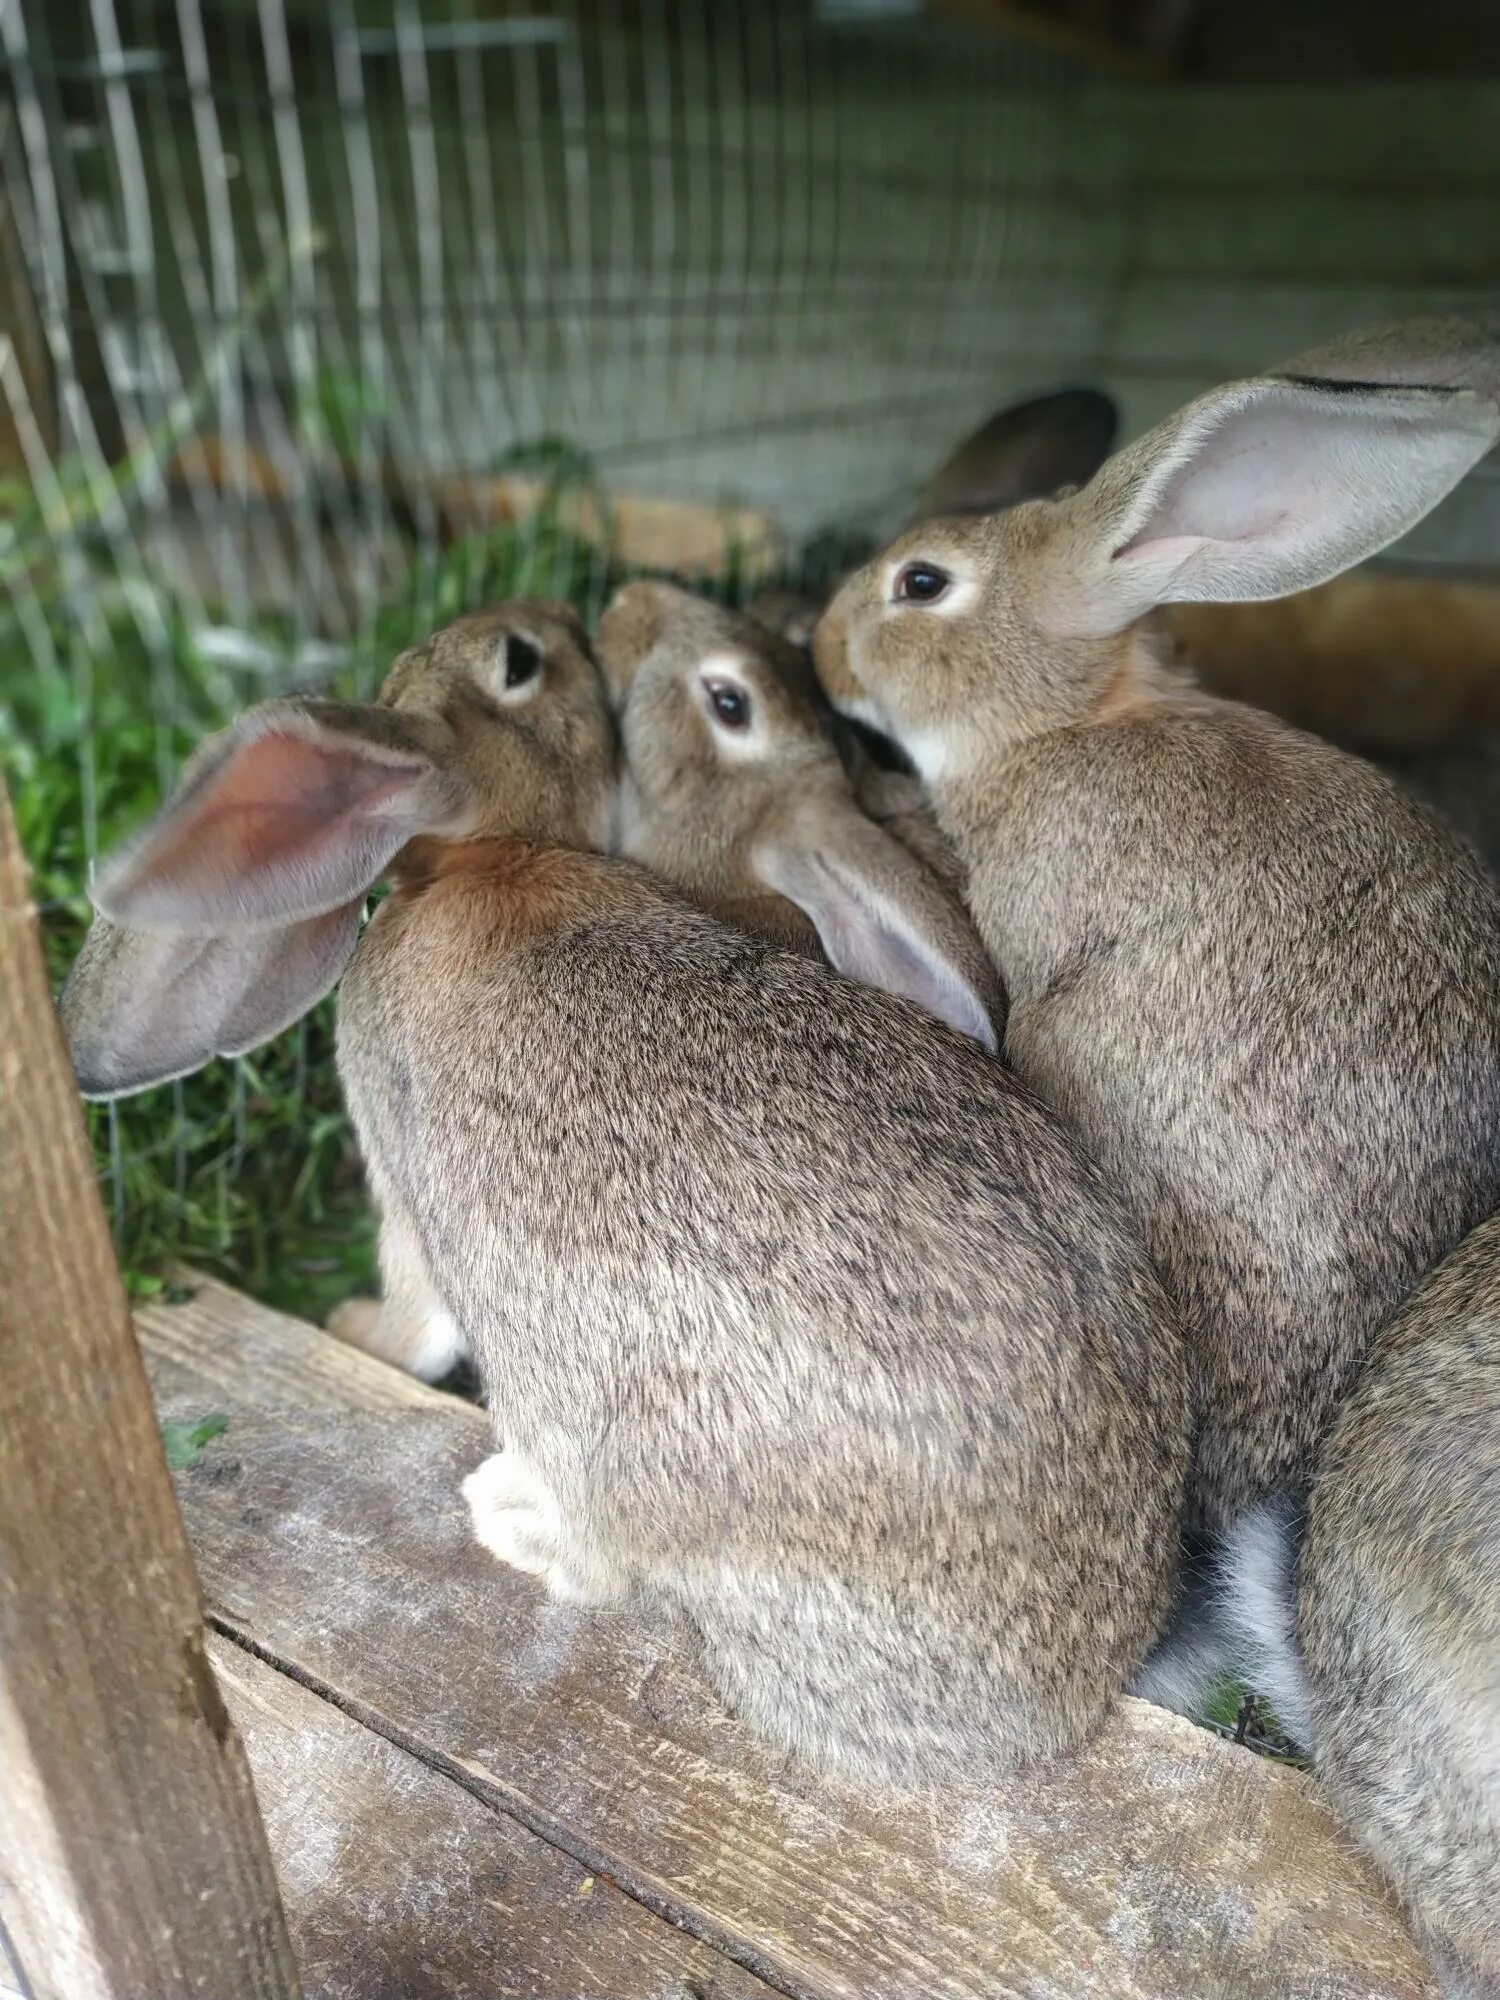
[400, 1885]
[1164, 1865]
[132, 1857]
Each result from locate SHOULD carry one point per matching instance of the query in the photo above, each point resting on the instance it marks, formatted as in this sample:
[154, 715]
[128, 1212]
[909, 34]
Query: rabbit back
[1263, 986]
[820, 1322]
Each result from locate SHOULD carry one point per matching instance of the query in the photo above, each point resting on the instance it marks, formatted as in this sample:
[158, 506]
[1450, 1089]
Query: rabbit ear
[294, 812]
[142, 1007]
[881, 916]
[1026, 452]
[1272, 485]
[791, 614]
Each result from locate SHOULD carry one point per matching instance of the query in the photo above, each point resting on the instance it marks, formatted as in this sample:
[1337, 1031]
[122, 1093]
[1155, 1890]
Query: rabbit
[1372, 1617]
[1380, 660]
[1258, 980]
[798, 1315]
[734, 790]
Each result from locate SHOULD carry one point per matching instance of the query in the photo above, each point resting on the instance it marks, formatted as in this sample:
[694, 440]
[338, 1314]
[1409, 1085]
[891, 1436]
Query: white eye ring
[724, 674]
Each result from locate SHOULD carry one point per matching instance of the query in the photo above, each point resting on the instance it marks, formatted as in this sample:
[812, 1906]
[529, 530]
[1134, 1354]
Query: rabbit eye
[921, 583]
[729, 702]
[523, 659]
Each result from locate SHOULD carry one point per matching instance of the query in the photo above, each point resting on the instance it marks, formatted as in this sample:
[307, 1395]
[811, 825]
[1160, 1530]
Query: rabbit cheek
[831, 655]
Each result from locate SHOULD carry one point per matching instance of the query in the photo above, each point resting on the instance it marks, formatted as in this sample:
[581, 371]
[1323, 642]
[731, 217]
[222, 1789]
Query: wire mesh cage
[322, 320]
[325, 323]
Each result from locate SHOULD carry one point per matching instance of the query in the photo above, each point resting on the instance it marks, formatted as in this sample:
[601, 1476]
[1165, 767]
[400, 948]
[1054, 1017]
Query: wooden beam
[132, 1857]
[1383, 661]
[638, 530]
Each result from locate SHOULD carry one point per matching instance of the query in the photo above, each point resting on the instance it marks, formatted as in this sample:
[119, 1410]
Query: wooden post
[133, 1862]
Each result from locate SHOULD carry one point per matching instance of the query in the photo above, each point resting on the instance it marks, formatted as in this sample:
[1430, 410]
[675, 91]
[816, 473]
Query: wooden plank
[1377, 660]
[132, 1858]
[400, 1885]
[1164, 1863]
[636, 529]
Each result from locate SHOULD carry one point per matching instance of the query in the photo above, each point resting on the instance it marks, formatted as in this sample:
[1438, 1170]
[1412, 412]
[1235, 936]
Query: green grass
[246, 1170]
[1231, 1713]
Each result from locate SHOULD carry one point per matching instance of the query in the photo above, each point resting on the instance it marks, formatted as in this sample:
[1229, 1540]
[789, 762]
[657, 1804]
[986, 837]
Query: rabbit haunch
[796, 1313]
[1372, 1617]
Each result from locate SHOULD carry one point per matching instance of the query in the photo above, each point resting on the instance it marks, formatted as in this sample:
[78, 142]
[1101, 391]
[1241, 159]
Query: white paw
[427, 1344]
[517, 1518]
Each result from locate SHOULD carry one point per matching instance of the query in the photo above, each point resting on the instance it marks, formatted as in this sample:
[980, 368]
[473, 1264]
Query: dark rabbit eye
[729, 702]
[523, 660]
[921, 583]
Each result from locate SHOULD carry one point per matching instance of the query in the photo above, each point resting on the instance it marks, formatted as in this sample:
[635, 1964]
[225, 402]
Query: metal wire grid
[697, 241]
[727, 249]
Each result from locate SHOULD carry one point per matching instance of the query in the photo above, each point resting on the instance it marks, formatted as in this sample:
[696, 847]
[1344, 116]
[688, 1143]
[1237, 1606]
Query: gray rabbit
[797, 1313]
[1259, 981]
[1374, 1622]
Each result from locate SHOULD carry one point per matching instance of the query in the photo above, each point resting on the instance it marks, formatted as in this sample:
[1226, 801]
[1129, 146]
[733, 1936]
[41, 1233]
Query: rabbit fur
[798, 1315]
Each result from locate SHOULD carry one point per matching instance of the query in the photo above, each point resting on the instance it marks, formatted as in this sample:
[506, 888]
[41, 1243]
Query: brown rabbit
[797, 1313]
[1380, 1641]
[734, 790]
[1260, 982]
[1387, 663]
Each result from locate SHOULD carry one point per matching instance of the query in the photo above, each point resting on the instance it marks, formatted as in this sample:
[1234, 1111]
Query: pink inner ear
[276, 799]
[284, 826]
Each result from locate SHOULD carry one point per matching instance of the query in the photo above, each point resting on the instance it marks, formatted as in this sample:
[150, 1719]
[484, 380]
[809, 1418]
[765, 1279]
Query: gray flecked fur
[795, 1311]
[1259, 981]
[1398, 1593]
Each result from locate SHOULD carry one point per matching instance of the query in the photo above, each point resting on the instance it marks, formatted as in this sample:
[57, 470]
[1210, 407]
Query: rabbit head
[238, 907]
[734, 790]
[993, 630]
